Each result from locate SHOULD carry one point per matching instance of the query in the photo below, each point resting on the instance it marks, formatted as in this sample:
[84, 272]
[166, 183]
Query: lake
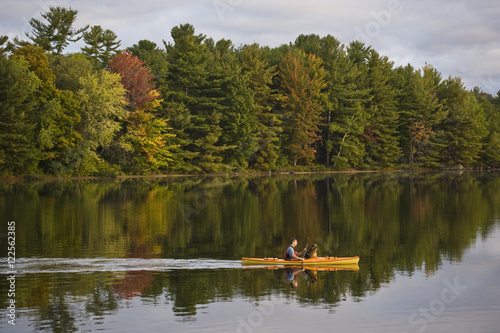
[164, 254]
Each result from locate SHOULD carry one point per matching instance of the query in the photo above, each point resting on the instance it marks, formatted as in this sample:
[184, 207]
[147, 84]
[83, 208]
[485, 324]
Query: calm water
[163, 255]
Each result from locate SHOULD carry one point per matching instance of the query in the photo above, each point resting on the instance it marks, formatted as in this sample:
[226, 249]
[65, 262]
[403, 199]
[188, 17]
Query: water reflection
[176, 243]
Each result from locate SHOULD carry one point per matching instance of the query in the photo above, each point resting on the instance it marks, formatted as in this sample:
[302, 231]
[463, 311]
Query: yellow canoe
[305, 262]
[331, 268]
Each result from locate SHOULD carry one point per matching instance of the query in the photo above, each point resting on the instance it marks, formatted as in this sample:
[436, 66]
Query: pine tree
[102, 44]
[187, 62]
[238, 121]
[327, 49]
[259, 75]
[381, 140]
[56, 34]
[464, 126]
[193, 102]
[401, 80]
[421, 116]
[350, 115]
[490, 156]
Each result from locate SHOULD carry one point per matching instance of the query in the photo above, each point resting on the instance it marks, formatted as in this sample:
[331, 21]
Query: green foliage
[422, 114]
[102, 102]
[68, 68]
[147, 136]
[5, 45]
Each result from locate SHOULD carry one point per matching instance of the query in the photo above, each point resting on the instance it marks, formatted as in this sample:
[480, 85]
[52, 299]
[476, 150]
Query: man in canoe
[291, 254]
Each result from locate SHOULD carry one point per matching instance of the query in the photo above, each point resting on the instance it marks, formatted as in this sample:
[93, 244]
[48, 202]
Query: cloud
[458, 38]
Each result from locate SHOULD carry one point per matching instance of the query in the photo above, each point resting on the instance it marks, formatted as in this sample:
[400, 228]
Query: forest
[196, 105]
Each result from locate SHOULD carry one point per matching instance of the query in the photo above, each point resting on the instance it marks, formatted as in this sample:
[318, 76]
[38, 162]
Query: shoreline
[236, 174]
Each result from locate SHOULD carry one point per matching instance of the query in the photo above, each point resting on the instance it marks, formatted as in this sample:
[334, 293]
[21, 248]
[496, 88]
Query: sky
[459, 38]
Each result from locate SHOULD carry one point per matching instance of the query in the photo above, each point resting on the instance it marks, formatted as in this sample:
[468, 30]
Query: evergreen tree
[326, 49]
[402, 79]
[464, 126]
[259, 76]
[193, 102]
[331, 51]
[350, 117]
[421, 115]
[56, 34]
[5, 45]
[238, 121]
[490, 156]
[102, 44]
[381, 140]
[427, 111]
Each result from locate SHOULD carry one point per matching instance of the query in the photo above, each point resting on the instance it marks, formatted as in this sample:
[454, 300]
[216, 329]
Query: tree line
[197, 105]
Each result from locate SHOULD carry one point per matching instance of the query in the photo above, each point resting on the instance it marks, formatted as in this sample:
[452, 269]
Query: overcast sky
[459, 38]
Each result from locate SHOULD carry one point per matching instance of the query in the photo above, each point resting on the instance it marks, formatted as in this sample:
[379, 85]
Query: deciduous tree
[18, 153]
[302, 83]
[54, 114]
[135, 77]
[102, 100]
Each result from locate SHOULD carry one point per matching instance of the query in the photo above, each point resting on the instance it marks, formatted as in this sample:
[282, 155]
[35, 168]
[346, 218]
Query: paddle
[305, 251]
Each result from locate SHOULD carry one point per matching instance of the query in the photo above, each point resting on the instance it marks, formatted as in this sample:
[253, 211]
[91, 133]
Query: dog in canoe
[312, 252]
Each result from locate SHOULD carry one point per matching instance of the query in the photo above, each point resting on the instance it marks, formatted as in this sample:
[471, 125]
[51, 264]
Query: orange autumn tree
[302, 84]
[142, 147]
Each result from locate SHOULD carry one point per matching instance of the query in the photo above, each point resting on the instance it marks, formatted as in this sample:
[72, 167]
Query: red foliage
[136, 78]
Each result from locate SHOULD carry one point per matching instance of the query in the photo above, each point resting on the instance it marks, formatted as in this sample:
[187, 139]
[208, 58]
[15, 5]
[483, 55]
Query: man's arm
[301, 254]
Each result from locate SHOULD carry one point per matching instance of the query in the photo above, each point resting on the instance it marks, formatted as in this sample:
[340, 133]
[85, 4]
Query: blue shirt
[290, 252]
